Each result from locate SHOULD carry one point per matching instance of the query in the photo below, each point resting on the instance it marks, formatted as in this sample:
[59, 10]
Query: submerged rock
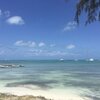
[10, 66]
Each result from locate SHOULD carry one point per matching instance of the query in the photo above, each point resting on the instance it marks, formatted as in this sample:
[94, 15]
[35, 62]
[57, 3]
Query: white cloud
[71, 46]
[7, 13]
[27, 44]
[52, 45]
[15, 20]
[70, 26]
[72, 23]
[56, 53]
[0, 12]
[32, 44]
[39, 52]
[4, 13]
[41, 44]
[20, 43]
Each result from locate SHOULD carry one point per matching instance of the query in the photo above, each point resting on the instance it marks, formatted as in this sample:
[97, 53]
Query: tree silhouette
[91, 8]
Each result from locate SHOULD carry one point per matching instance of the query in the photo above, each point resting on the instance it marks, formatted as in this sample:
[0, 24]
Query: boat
[91, 59]
[61, 59]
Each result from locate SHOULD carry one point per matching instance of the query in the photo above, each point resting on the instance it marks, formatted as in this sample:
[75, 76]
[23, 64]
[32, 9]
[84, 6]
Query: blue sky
[44, 29]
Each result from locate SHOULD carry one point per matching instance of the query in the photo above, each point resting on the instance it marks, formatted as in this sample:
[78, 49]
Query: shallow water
[78, 77]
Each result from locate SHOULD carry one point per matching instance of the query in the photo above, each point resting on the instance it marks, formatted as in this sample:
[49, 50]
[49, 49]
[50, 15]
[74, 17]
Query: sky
[45, 29]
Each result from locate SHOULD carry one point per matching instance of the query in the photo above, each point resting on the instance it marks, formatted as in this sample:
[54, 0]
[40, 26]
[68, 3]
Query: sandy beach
[24, 97]
[51, 94]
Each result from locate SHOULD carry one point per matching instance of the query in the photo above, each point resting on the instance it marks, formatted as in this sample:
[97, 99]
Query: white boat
[91, 59]
[61, 59]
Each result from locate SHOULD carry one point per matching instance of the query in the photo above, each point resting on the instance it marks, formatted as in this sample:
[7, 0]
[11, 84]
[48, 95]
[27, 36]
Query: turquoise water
[50, 74]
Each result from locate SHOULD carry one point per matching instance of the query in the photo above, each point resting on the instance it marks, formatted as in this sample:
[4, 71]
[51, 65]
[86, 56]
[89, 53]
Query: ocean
[60, 80]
